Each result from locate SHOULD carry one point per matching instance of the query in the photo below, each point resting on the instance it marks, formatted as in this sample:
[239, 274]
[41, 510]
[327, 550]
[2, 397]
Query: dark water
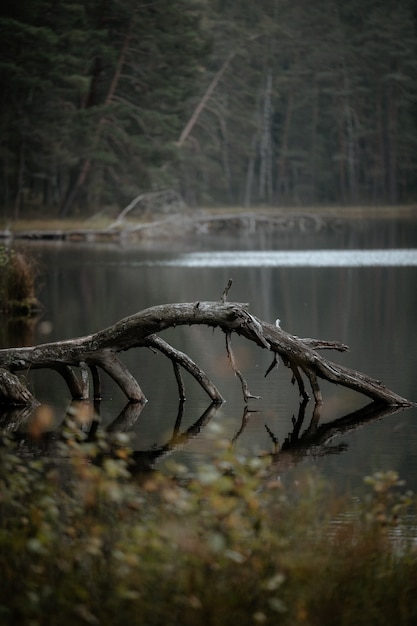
[353, 283]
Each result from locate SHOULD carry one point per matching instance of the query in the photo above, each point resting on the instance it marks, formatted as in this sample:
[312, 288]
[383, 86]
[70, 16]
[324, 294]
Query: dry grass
[345, 212]
[100, 221]
[17, 282]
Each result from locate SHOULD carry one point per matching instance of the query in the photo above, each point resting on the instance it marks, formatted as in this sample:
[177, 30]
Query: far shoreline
[104, 227]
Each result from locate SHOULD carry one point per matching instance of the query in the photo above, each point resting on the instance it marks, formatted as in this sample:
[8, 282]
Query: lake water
[355, 282]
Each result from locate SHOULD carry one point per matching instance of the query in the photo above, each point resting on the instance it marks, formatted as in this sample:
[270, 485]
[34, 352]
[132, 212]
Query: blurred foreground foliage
[85, 540]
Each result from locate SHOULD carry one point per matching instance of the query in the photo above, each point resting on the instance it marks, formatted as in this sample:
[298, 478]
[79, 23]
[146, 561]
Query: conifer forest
[242, 103]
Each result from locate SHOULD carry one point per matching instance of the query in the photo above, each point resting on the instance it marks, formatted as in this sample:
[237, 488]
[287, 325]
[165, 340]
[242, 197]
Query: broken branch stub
[99, 351]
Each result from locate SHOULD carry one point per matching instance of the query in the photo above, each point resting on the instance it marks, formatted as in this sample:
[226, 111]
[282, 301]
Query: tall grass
[17, 282]
[83, 540]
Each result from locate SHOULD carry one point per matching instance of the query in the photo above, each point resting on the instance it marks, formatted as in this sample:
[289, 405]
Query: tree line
[241, 103]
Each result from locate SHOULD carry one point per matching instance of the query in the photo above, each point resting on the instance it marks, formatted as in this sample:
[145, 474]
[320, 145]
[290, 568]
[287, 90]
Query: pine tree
[93, 97]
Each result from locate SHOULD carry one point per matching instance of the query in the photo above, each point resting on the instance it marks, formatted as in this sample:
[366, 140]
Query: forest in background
[280, 102]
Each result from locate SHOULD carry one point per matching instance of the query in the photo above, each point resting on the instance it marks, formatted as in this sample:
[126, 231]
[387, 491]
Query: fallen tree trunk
[99, 351]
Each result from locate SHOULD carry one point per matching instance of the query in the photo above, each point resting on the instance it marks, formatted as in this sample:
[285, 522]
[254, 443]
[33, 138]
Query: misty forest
[227, 103]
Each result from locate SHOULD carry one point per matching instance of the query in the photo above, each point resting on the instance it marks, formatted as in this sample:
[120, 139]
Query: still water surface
[356, 285]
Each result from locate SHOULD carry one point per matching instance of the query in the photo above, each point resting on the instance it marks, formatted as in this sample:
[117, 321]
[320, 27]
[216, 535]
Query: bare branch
[226, 290]
[273, 365]
[245, 389]
[200, 107]
[297, 377]
[112, 365]
[152, 195]
[314, 385]
[179, 358]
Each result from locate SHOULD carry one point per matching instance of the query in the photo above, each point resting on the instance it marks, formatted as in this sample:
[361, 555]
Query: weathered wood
[14, 390]
[100, 351]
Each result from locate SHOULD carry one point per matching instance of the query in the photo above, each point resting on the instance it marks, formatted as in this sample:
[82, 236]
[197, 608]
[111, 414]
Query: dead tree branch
[245, 389]
[168, 195]
[100, 351]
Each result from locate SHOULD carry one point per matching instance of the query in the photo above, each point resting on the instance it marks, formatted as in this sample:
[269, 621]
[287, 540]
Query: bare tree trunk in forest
[282, 161]
[349, 141]
[20, 181]
[351, 153]
[225, 153]
[392, 123]
[313, 150]
[203, 102]
[342, 153]
[379, 190]
[226, 167]
[79, 180]
[250, 172]
[265, 173]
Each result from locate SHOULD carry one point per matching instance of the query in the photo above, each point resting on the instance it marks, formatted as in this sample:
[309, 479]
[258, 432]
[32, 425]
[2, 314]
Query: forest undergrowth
[84, 537]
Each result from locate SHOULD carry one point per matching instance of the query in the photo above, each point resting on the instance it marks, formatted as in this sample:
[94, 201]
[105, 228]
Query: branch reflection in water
[315, 441]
